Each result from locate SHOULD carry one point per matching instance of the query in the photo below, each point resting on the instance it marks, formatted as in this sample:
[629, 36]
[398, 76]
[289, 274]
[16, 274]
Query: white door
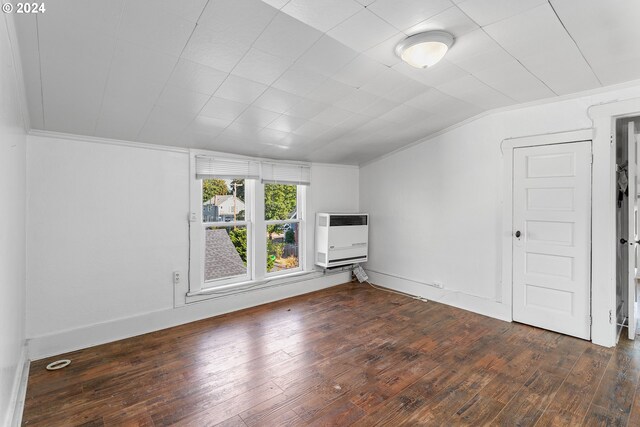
[633, 225]
[552, 237]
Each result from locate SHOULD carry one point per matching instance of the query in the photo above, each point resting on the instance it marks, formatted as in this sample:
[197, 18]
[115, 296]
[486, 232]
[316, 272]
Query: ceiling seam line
[106, 82]
[523, 66]
[344, 20]
[404, 31]
[482, 82]
[480, 27]
[234, 67]
[520, 62]
[384, 20]
[469, 74]
[574, 42]
[172, 71]
[268, 86]
[44, 126]
[478, 79]
[325, 33]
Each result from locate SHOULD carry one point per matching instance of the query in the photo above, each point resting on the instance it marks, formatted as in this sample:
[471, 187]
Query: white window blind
[212, 167]
[285, 173]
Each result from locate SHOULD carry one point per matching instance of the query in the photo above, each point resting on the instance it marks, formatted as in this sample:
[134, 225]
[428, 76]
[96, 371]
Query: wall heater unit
[341, 239]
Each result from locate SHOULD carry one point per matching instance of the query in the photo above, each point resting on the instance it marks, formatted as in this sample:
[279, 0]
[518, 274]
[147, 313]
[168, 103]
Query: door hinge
[611, 317]
[590, 320]
[591, 158]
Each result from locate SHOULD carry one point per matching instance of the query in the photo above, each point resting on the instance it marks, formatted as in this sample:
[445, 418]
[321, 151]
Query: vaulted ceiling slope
[308, 79]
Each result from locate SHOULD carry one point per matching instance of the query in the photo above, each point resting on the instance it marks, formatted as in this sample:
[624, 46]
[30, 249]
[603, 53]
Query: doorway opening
[627, 230]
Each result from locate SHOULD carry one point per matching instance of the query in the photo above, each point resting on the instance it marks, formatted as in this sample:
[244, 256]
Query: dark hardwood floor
[346, 355]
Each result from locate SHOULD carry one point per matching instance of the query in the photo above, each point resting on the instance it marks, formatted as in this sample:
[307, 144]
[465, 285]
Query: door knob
[623, 241]
[518, 234]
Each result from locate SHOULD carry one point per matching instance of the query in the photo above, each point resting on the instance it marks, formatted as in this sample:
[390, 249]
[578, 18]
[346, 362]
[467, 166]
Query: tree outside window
[281, 215]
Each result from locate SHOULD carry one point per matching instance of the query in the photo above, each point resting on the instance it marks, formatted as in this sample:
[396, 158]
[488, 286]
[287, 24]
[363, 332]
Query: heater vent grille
[341, 239]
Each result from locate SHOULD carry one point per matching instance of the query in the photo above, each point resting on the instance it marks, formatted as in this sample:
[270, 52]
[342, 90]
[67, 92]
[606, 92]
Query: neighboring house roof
[220, 200]
[221, 258]
[216, 200]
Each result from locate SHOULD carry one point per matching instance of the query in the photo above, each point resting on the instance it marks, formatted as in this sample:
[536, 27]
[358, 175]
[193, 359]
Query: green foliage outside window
[280, 202]
[213, 187]
[290, 236]
[238, 237]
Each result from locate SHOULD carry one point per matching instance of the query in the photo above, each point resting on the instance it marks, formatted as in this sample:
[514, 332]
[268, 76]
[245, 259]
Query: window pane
[223, 200]
[282, 247]
[225, 252]
[280, 201]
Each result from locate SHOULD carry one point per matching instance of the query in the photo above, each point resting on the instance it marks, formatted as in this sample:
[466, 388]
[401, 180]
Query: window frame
[196, 287]
[198, 239]
[299, 220]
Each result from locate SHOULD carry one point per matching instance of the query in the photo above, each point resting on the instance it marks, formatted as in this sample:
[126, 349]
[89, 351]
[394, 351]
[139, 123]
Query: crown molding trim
[148, 146]
[108, 141]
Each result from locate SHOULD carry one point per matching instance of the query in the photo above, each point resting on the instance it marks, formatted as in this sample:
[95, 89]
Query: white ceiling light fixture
[423, 50]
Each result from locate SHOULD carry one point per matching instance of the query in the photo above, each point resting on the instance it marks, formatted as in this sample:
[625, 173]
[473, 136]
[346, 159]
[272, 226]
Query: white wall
[334, 188]
[436, 207]
[107, 226]
[12, 227]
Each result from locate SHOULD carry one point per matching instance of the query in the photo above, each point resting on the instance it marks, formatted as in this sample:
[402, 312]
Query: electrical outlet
[176, 277]
[438, 285]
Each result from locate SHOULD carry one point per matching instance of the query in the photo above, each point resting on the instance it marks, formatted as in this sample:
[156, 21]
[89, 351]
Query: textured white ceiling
[308, 79]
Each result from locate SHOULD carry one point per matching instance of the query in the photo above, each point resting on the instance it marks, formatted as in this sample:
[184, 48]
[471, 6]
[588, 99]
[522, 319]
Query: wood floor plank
[620, 380]
[599, 416]
[479, 410]
[234, 421]
[340, 412]
[347, 355]
[224, 410]
[634, 416]
[529, 403]
[574, 396]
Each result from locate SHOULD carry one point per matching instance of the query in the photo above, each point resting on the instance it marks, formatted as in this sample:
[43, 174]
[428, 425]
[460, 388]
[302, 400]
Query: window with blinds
[213, 167]
[285, 173]
[208, 167]
[247, 220]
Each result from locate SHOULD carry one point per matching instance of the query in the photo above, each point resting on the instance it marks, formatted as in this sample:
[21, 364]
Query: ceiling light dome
[423, 50]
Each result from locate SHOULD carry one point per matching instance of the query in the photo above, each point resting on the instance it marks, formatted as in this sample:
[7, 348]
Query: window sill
[237, 288]
[284, 273]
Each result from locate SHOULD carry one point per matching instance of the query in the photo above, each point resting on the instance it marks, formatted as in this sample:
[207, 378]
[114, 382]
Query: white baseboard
[19, 390]
[44, 346]
[457, 299]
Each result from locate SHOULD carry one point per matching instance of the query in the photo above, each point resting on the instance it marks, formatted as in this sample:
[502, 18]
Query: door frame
[604, 239]
[508, 146]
